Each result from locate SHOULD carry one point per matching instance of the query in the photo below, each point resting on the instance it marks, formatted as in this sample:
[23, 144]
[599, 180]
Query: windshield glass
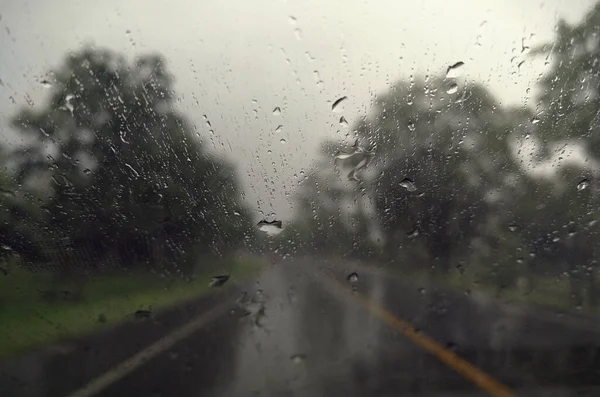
[276, 198]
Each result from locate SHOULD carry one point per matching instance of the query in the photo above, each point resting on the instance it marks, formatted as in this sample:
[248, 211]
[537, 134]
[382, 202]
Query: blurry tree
[570, 91]
[120, 171]
[568, 112]
[329, 217]
[442, 152]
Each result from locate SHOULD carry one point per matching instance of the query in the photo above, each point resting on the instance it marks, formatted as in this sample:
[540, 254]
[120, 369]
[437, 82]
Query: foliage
[120, 172]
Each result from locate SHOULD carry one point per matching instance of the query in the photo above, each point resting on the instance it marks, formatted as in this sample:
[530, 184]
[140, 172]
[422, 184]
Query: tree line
[108, 167]
[443, 177]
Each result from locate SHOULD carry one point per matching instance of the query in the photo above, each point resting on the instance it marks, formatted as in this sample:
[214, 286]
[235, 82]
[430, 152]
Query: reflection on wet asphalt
[291, 335]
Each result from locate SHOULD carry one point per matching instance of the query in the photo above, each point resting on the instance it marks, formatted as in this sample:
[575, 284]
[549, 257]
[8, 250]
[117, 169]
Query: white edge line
[134, 362]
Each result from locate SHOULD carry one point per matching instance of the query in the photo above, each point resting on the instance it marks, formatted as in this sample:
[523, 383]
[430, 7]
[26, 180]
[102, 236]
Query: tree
[440, 153]
[570, 95]
[120, 171]
[568, 113]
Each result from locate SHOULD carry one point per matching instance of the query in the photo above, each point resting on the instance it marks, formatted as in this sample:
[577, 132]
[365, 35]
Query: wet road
[300, 330]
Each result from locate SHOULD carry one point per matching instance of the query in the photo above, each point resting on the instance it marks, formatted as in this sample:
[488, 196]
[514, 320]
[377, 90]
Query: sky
[236, 60]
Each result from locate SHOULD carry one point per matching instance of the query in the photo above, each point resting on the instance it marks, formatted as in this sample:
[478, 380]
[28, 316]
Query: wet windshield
[276, 198]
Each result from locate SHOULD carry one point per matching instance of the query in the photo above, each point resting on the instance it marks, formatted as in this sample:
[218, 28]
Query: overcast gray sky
[238, 56]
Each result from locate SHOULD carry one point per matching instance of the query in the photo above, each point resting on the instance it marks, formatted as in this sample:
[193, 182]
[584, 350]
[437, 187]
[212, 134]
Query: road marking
[448, 357]
[134, 362]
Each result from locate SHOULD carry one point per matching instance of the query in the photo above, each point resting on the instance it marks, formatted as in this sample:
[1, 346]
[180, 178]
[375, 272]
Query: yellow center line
[448, 357]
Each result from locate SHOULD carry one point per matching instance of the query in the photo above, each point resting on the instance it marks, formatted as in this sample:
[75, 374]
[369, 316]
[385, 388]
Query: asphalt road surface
[303, 329]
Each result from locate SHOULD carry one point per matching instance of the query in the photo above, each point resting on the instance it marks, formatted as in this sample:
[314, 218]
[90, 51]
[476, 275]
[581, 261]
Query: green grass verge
[27, 321]
[551, 293]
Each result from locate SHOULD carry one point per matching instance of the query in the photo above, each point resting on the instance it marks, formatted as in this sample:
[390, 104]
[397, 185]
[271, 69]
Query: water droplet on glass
[513, 228]
[454, 70]
[122, 135]
[137, 175]
[282, 140]
[535, 120]
[352, 278]
[343, 122]
[143, 313]
[338, 105]
[298, 358]
[68, 104]
[451, 346]
[6, 192]
[217, 281]
[276, 111]
[413, 234]
[279, 128]
[292, 20]
[298, 34]
[46, 83]
[270, 227]
[344, 156]
[452, 89]
[421, 291]
[408, 185]
[584, 184]
[87, 171]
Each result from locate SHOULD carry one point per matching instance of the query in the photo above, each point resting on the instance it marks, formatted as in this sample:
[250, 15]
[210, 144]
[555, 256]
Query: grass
[28, 321]
[549, 292]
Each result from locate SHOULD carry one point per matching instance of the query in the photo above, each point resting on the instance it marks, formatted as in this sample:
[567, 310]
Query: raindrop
[122, 136]
[298, 358]
[270, 227]
[68, 103]
[584, 184]
[137, 175]
[7, 192]
[46, 83]
[279, 128]
[343, 122]
[513, 228]
[413, 234]
[408, 185]
[292, 20]
[535, 120]
[298, 34]
[87, 171]
[421, 291]
[338, 105]
[344, 156]
[282, 140]
[353, 175]
[218, 281]
[451, 346]
[454, 70]
[276, 111]
[143, 313]
[452, 89]
[352, 278]
[356, 149]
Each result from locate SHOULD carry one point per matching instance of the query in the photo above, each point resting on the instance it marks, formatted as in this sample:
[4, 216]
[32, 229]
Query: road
[301, 329]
